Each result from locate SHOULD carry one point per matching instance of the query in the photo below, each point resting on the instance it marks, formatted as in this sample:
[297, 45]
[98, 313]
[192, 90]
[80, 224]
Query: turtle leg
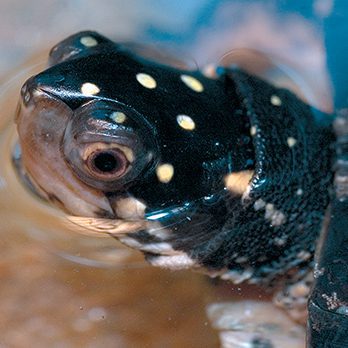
[254, 324]
[293, 297]
[328, 303]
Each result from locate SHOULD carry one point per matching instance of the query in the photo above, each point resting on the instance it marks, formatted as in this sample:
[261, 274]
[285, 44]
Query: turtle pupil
[105, 162]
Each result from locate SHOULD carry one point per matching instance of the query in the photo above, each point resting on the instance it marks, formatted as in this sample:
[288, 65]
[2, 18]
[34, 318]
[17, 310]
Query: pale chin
[54, 190]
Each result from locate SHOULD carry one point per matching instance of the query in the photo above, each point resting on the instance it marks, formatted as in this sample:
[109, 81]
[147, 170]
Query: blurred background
[49, 301]
[204, 30]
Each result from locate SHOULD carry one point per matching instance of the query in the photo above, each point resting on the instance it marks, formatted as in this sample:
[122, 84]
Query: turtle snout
[28, 89]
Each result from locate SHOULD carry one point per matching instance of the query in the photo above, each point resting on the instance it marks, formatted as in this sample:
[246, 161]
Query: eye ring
[107, 163]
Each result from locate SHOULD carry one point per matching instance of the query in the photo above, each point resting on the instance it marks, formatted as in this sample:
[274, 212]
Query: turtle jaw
[41, 121]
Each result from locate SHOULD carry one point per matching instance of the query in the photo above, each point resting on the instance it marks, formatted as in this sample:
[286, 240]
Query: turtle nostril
[27, 88]
[30, 84]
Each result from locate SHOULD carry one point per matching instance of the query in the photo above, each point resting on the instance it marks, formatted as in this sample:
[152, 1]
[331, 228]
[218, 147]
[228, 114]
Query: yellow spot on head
[275, 100]
[146, 80]
[165, 172]
[291, 141]
[253, 131]
[118, 117]
[88, 41]
[89, 89]
[192, 83]
[185, 122]
[238, 182]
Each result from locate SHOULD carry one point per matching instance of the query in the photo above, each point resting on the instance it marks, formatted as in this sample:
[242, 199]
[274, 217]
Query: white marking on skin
[318, 272]
[238, 182]
[304, 255]
[160, 248]
[238, 277]
[280, 241]
[291, 141]
[165, 172]
[130, 209]
[157, 230]
[332, 302]
[275, 100]
[241, 259]
[299, 192]
[88, 41]
[259, 204]
[131, 242]
[146, 80]
[89, 89]
[192, 83]
[118, 117]
[253, 131]
[276, 217]
[175, 262]
[185, 122]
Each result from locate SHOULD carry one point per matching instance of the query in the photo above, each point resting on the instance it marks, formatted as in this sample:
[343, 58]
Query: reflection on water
[47, 302]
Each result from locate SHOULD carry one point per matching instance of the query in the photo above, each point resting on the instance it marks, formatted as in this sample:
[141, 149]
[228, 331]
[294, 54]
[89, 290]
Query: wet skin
[229, 174]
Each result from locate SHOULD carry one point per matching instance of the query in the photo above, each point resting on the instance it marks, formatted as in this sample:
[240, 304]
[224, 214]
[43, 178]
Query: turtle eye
[107, 145]
[107, 162]
[111, 164]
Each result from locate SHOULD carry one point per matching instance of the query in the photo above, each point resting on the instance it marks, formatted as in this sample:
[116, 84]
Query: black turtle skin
[243, 125]
[328, 304]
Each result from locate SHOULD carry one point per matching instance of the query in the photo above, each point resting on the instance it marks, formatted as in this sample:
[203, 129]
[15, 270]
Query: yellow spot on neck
[192, 83]
[185, 122]
[146, 80]
[118, 117]
[89, 89]
[291, 141]
[165, 172]
[275, 100]
[253, 131]
[238, 182]
[88, 41]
